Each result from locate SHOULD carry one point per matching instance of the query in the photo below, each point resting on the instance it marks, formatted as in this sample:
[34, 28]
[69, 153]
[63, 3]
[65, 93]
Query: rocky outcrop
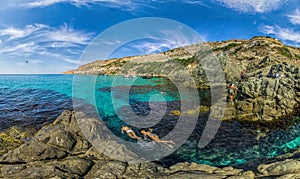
[60, 150]
[266, 97]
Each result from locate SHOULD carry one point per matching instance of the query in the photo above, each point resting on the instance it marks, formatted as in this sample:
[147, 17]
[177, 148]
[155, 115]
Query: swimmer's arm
[150, 130]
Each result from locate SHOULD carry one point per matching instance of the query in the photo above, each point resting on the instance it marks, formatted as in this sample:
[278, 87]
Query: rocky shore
[262, 96]
[60, 150]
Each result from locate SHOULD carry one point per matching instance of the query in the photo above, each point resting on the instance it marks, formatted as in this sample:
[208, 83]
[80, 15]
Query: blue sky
[52, 34]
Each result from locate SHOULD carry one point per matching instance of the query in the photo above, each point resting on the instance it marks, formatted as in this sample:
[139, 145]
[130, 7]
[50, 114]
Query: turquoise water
[35, 99]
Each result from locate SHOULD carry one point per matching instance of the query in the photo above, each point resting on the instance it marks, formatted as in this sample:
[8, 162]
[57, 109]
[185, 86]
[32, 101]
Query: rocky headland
[60, 150]
[269, 92]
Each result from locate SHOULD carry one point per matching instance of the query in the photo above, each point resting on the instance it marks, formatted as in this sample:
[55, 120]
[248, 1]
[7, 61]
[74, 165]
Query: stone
[33, 171]
[289, 176]
[41, 158]
[73, 165]
[32, 151]
[280, 168]
[62, 139]
[8, 143]
[104, 169]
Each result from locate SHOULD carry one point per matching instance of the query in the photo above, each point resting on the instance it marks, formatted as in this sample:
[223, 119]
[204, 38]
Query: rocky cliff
[60, 150]
[262, 96]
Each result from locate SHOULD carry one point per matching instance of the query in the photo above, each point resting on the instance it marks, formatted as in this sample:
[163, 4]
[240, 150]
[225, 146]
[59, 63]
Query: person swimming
[155, 137]
[130, 132]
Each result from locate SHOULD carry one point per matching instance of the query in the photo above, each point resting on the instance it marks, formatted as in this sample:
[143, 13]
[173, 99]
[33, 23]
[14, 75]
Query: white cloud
[295, 17]
[19, 49]
[15, 33]
[169, 39]
[152, 47]
[129, 5]
[282, 33]
[41, 41]
[252, 6]
[67, 34]
[196, 3]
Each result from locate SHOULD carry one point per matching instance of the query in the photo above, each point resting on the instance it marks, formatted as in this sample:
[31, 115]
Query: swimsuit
[152, 135]
[129, 130]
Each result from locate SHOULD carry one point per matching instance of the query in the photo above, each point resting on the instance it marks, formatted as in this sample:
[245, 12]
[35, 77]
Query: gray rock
[266, 98]
[42, 157]
[32, 151]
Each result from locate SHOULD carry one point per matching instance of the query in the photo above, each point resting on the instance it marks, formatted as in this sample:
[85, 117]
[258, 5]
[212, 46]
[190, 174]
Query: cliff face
[262, 96]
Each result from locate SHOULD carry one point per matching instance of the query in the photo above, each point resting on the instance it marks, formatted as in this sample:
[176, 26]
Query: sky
[51, 36]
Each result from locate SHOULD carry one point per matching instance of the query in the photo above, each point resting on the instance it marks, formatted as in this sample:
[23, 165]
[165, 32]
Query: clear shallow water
[35, 99]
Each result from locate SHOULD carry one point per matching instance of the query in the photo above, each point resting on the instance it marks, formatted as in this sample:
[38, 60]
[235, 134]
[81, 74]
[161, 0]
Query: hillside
[234, 55]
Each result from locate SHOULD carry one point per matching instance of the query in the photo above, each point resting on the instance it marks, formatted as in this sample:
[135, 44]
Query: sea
[34, 100]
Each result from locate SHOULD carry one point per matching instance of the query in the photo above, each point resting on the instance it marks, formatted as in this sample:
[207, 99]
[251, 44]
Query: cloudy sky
[51, 35]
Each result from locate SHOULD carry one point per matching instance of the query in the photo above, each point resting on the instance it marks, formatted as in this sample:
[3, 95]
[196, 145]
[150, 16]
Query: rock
[265, 99]
[104, 169]
[192, 166]
[69, 168]
[8, 142]
[37, 170]
[192, 175]
[289, 176]
[63, 140]
[73, 165]
[32, 151]
[280, 168]
[44, 157]
[175, 113]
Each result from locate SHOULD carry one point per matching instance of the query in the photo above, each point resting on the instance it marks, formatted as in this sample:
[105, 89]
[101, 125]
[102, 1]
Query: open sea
[33, 100]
